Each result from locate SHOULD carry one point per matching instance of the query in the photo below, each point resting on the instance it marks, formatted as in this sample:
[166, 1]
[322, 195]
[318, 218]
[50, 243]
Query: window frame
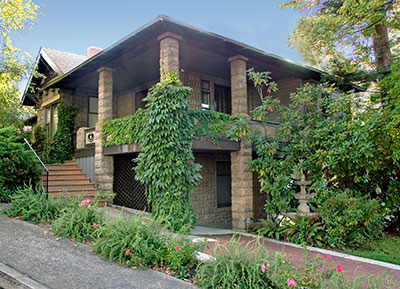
[92, 113]
[50, 119]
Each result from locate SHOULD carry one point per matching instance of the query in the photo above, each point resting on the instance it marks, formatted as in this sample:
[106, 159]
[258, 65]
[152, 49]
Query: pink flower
[88, 206]
[127, 252]
[291, 282]
[142, 223]
[268, 265]
[95, 226]
[322, 257]
[339, 268]
[329, 257]
[88, 201]
[263, 268]
[105, 206]
[177, 248]
[83, 203]
[16, 218]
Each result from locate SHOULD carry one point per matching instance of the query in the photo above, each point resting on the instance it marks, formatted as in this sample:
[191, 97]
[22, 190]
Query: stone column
[242, 176]
[169, 52]
[104, 165]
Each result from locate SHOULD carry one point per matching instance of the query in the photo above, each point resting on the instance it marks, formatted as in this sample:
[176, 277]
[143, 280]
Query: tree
[347, 36]
[15, 16]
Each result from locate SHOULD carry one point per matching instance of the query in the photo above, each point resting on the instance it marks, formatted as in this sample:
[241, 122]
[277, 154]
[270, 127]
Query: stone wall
[285, 88]
[125, 104]
[193, 81]
[204, 199]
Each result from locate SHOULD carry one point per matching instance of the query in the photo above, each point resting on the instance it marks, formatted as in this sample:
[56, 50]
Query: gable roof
[52, 63]
[65, 61]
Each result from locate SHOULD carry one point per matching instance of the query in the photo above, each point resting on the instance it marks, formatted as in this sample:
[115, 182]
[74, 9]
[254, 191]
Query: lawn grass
[386, 250]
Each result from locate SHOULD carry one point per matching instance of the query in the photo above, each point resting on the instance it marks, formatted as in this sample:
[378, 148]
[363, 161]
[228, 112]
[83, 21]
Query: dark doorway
[129, 192]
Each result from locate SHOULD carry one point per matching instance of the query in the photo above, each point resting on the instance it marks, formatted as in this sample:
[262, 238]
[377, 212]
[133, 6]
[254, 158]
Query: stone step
[64, 172]
[71, 177]
[66, 182]
[62, 167]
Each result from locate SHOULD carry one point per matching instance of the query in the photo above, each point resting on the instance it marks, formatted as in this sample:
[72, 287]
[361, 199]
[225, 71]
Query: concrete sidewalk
[41, 260]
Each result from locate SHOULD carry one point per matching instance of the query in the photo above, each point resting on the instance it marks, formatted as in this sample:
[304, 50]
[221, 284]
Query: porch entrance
[129, 192]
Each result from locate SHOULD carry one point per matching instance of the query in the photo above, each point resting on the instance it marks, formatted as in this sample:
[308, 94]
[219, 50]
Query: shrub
[145, 242]
[236, 267]
[80, 222]
[18, 165]
[250, 266]
[33, 206]
[348, 218]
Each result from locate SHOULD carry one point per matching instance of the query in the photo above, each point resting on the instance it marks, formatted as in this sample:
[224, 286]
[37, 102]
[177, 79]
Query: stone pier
[169, 52]
[104, 165]
[242, 176]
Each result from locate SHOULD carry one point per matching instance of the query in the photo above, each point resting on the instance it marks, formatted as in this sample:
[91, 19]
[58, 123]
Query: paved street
[59, 263]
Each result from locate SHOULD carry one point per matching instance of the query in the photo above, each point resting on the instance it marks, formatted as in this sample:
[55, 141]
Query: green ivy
[166, 162]
[209, 125]
[61, 147]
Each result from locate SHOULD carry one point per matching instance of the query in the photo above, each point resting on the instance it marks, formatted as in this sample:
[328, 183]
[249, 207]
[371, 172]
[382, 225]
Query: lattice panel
[129, 192]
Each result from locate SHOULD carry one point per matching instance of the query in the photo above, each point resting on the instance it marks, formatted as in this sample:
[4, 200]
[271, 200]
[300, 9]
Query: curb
[11, 278]
[329, 252]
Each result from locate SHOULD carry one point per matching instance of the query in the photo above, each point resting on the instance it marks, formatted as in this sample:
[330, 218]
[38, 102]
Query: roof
[79, 65]
[65, 61]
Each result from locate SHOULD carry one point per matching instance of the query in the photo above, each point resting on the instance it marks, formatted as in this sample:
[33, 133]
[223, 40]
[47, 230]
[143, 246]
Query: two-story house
[113, 82]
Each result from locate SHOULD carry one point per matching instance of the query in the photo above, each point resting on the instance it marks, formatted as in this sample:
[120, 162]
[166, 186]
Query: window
[205, 95]
[93, 111]
[139, 96]
[223, 99]
[223, 184]
[50, 119]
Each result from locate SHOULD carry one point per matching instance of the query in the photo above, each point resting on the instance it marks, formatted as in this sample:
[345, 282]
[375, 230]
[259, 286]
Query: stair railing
[42, 164]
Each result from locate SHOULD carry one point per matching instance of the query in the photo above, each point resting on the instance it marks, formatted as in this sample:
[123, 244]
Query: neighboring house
[112, 84]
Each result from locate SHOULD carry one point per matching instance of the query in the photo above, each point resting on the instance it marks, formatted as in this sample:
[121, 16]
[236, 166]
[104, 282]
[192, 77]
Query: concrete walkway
[30, 257]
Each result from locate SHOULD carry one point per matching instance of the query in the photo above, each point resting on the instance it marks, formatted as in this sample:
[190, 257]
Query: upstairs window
[93, 111]
[205, 95]
[223, 99]
[51, 119]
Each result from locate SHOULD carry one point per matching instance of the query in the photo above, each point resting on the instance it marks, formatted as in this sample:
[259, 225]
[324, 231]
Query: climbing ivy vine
[166, 162]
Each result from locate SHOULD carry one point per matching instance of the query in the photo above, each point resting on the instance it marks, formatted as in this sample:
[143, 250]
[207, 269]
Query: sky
[73, 25]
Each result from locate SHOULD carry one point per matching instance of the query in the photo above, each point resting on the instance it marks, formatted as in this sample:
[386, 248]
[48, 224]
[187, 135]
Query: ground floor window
[51, 119]
[224, 184]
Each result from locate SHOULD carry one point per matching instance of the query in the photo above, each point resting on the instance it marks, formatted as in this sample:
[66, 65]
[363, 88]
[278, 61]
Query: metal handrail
[41, 163]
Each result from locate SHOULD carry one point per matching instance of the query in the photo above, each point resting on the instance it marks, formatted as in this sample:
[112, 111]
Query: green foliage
[15, 16]
[209, 125]
[166, 162]
[18, 165]
[80, 222]
[386, 250]
[33, 205]
[348, 218]
[250, 266]
[236, 266]
[346, 36]
[124, 130]
[144, 242]
[61, 147]
[347, 146]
